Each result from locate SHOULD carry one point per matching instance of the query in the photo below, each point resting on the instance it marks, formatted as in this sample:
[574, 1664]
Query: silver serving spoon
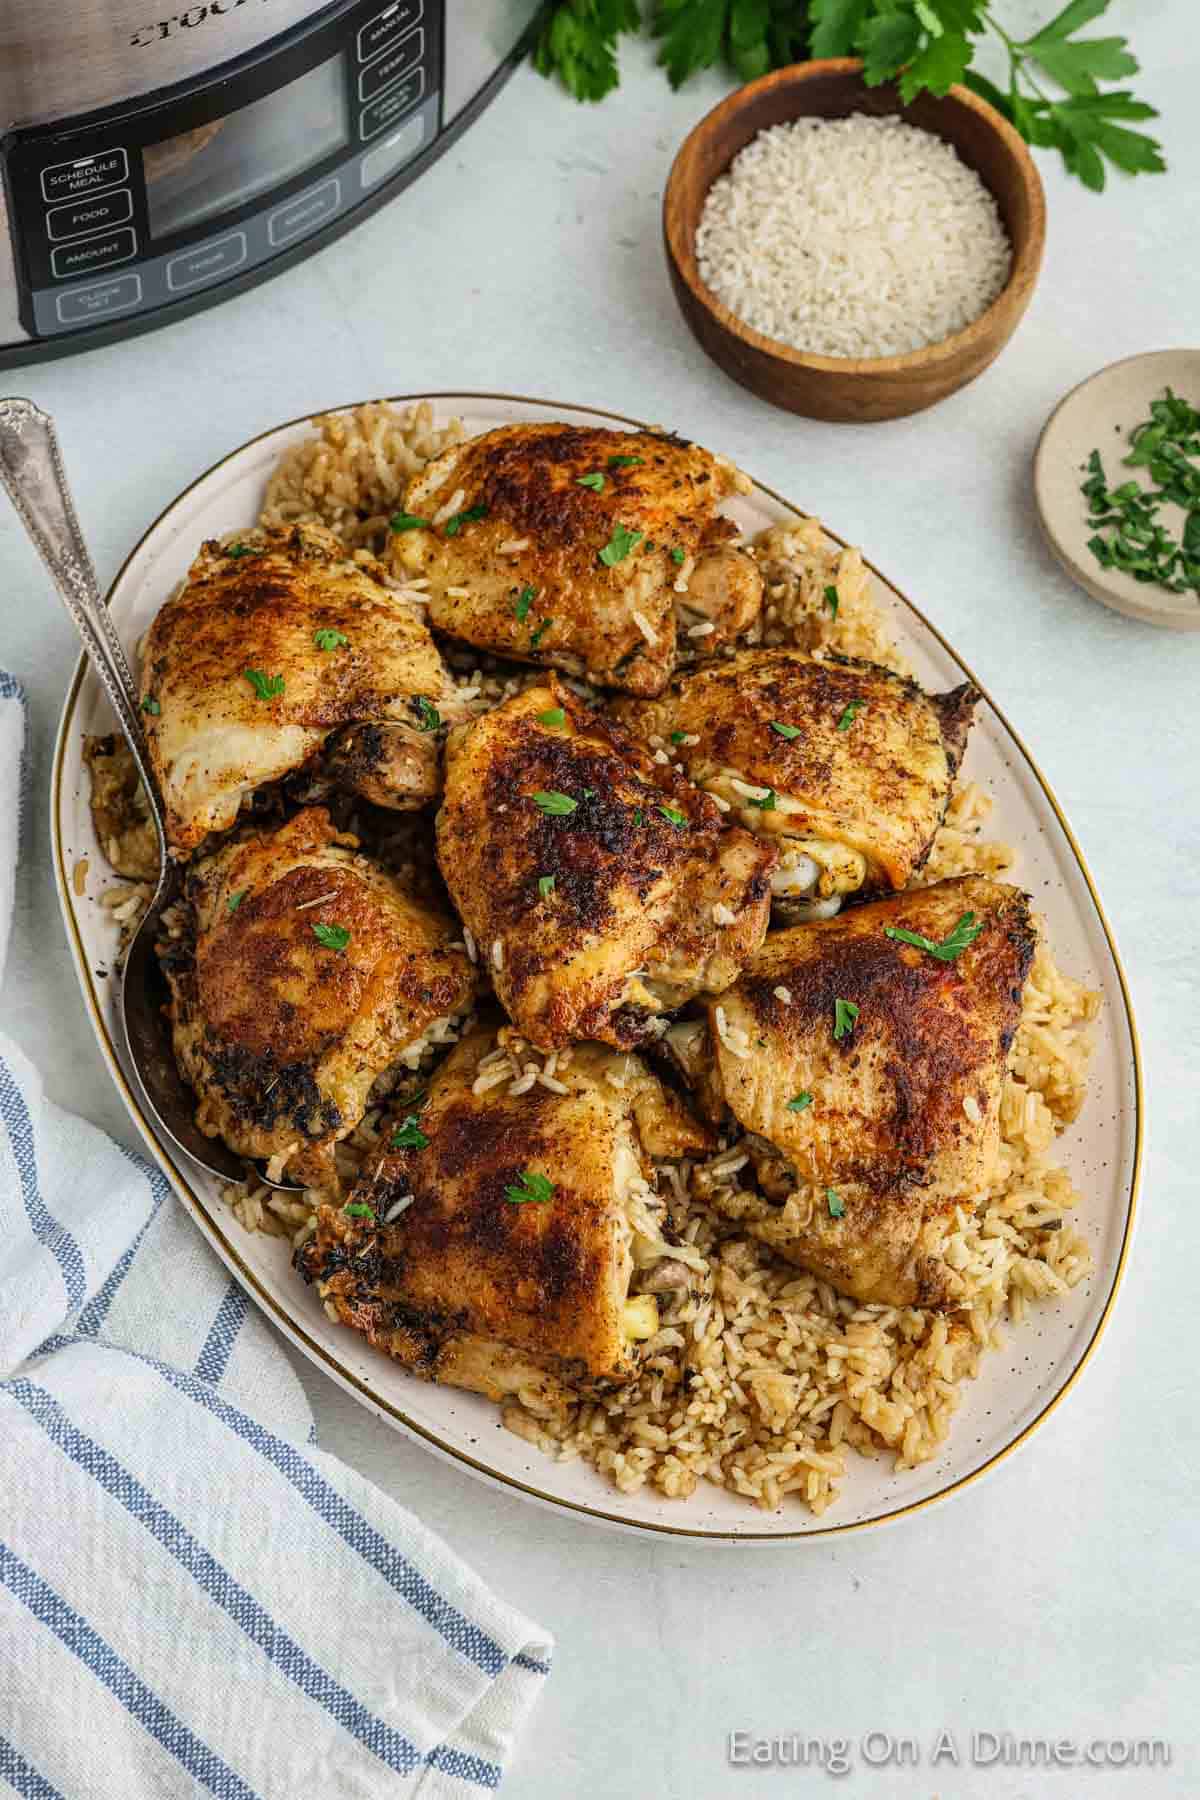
[31, 470]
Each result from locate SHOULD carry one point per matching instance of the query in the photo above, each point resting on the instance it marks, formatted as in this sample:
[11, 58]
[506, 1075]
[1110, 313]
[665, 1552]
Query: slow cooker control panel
[129, 213]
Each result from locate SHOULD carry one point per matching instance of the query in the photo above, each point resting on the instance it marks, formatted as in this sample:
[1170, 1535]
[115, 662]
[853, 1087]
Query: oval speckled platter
[1019, 1386]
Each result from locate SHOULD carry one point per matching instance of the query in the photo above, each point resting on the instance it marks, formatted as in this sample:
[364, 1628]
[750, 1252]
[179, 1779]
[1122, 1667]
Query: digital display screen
[218, 167]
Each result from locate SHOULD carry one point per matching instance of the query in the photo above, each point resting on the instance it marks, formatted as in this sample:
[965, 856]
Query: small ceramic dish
[1099, 415]
[844, 388]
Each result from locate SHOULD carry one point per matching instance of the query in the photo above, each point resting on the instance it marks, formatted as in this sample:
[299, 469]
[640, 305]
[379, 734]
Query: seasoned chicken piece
[272, 645]
[510, 1241]
[600, 887]
[723, 593]
[313, 972]
[869, 1071]
[565, 545]
[846, 766]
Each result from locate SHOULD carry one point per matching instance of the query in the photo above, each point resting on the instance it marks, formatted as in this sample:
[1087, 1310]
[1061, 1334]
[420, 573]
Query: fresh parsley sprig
[964, 933]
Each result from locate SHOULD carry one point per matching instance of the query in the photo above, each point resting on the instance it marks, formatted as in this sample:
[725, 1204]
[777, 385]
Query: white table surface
[1057, 1597]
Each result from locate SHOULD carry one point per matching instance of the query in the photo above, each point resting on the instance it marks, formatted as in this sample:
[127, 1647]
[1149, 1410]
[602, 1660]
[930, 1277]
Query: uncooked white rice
[855, 237]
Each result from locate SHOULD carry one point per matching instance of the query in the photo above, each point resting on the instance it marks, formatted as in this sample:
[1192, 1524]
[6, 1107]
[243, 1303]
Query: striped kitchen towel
[194, 1599]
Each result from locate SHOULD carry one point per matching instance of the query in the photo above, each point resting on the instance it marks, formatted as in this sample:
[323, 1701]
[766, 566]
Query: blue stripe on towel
[460, 1633]
[531, 1663]
[14, 1115]
[97, 1309]
[213, 1360]
[465, 1766]
[389, 1745]
[139, 1701]
[16, 1771]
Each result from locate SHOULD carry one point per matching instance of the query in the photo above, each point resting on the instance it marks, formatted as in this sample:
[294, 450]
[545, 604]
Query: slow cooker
[155, 161]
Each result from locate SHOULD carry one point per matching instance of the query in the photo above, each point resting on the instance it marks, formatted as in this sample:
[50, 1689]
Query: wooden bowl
[845, 388]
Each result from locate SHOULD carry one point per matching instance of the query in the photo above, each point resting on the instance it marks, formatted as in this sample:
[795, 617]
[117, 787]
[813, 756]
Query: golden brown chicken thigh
[270, 647]
[600, 887]
[313, 972]
[572, 546]
[868, 1070]
[505, 1239]
[847, 767]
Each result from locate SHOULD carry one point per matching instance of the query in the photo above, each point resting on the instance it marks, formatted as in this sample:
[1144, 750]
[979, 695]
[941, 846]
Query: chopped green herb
[235, 900]
[553, 718]
[619, 545]
[845, 1014]
[835, 1203]
[403, 521]
[964, 933]
[427, 713]
[150, 705]
[241, 550]
[535, 637]
[358, 1209]
[556, 805]
[333, 937]
[409, 1136]
[677, 737]
[328, 639]
[673, 816]
[265, 686]
[545, 886]
[639, 817]
[455, 524]
[595, 482]
[624, 462]
[785, 731]
[766, 802]
[851, 713]
[831, 600]
[1128, 534]
[678, 556]
[589, 793]
[532, 1188]
[798, 1102]
[525, 600]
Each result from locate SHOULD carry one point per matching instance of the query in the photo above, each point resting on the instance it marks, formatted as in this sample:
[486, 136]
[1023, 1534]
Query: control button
[83, 216]
[400, 148]
[389, 107]
[93, 253]
[387, 26]
[389, 68]
[205, 262]
[102, 297]
[86, 175]
[305, 212]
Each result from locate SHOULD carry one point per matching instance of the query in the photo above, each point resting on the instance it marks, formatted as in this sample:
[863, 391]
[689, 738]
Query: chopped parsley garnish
[554, 804]
[677, 737]
[831, 600]
[265, 686]
[1129, 537]
[766, 802]
[535, 637]
[409, 1136]
[673, 816]
[427, 712]
[525, 600]
[619, 545]
[964, 933]
[595, 482]
[798, 1102]
[455, 524]
[785, 731]
[553, 718]
[328, 639]
[150, 705]
[333, 937]
[851, 713]
[358, 1209]
[639, 817]
[624, 462]
[845, 1014]
[235, 900]
[241, 550]
[835, 1203]
[589, 793]
[678, 556]
[545, 886]
[407, 522]
[532, 1188]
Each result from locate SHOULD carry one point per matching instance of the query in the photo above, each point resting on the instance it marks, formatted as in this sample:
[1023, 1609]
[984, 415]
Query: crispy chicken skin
[516, 567]
[853, 802]
[903, 1124]
[212, 739]
[649, 900]
[281, 1035]
[471, 1286]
